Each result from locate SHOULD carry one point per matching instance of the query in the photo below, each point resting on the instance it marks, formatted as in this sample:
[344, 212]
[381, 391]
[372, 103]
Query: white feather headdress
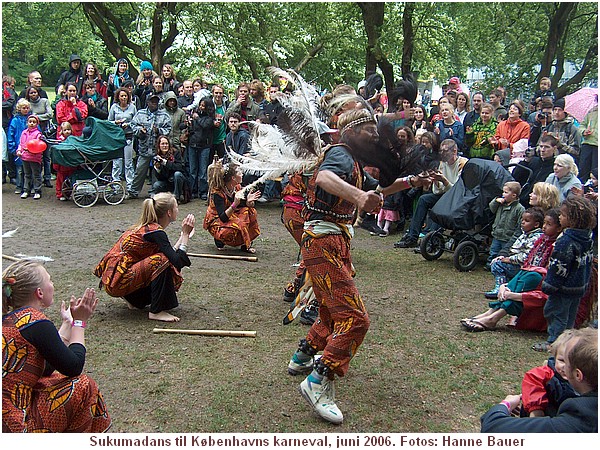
[291, 146]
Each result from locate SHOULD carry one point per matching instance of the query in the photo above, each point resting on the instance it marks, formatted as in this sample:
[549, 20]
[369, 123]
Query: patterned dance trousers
[343, 320]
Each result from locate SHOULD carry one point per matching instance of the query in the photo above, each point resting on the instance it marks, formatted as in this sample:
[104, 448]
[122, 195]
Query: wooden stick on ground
[227, 333]
[10, 258]
[234, 257]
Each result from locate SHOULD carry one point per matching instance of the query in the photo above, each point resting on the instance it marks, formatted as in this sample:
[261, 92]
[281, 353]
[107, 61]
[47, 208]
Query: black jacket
[201, 132]
[575, 415]
[167, 172]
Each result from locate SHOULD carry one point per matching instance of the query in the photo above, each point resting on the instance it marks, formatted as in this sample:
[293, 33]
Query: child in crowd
[479, 134]
[508, 213]
[524, 288]
[570, 267]
[544, 388]
[504, 267]
[32, 161]
[545, 90]
[18, 124]
[575, 415]
[63, 172]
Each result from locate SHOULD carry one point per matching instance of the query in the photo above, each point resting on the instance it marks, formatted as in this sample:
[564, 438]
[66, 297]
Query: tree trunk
[103, 22]
[408, 37]
[373, 19]
[556, 30]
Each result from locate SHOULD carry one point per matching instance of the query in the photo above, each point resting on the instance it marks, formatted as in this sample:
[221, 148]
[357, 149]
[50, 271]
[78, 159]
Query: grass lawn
[417, 370]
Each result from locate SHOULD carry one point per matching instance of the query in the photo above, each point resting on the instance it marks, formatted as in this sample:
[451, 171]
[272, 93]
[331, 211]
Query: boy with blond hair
[508, 213]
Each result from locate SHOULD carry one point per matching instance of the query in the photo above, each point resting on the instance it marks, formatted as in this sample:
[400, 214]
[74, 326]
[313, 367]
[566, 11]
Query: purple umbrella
[579, 103]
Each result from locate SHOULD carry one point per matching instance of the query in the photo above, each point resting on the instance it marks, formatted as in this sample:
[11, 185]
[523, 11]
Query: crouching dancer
[336, 189]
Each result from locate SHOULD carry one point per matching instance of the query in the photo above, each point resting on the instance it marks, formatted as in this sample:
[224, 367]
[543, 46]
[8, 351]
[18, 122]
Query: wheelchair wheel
[432, 246]
[67, 188]
[114, 193]
[465, 256]
[85, 194]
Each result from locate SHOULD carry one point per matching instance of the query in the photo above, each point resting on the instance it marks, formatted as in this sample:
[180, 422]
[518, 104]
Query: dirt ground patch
[417, 371]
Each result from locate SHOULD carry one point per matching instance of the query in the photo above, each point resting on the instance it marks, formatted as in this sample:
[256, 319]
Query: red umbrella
[580, 102]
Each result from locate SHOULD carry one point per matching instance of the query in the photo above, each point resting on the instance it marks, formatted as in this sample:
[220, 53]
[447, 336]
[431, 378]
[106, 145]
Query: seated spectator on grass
[522, 295]
[574, 415]
[544, 388]
[509, 261]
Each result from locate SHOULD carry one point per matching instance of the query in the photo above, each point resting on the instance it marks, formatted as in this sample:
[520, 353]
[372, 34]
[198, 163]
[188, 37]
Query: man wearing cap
[563, 128]
[73, 74]
[147, 125]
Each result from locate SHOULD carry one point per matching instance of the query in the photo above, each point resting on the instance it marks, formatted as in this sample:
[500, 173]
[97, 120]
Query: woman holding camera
[169, 169]
[143, 267]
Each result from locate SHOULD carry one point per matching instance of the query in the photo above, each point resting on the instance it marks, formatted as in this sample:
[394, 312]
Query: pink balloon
[36, 146]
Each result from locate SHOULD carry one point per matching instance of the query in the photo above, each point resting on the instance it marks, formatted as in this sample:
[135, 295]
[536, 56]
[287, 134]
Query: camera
[543, 116]
[530, 152]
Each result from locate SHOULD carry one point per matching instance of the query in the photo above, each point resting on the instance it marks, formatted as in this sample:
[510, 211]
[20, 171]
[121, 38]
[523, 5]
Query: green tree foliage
[327, 42]
[42, 36]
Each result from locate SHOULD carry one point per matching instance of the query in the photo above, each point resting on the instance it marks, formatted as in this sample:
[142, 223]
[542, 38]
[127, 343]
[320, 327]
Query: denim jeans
[495, 249]
[175, 186]
[560, 312]
[502, 269]
[117, 169]
[199, 159]
[425, 203]
[46, 164]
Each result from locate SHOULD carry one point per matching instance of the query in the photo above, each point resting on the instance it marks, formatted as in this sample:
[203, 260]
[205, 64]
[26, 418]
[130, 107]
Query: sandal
[475, 326]
[250, 250]
[543, 347]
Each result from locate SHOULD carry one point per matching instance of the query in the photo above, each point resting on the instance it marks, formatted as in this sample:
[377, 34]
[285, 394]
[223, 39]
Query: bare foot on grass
[163, 316]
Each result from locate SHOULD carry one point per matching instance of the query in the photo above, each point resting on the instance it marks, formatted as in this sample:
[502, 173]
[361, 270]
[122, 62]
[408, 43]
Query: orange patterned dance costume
[343, 319]
[35, 403]
[241, 228]
[133, 263]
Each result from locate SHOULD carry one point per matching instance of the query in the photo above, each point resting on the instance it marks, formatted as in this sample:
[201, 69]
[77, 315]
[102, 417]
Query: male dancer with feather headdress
[337, 188]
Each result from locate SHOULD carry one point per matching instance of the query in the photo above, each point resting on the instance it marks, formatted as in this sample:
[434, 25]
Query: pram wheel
[432, 246]
[85, 194]
[114, 193]
[465, 256]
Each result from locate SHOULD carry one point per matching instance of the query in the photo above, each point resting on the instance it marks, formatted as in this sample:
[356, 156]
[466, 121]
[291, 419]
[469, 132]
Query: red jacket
[74, 114]
[512, 131]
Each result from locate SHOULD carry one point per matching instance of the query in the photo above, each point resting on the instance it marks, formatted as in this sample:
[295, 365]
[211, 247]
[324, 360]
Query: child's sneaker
[297, 367]
[18, 191]
[321, 396]
[37, 196]
[25, 195]
[63, 199]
